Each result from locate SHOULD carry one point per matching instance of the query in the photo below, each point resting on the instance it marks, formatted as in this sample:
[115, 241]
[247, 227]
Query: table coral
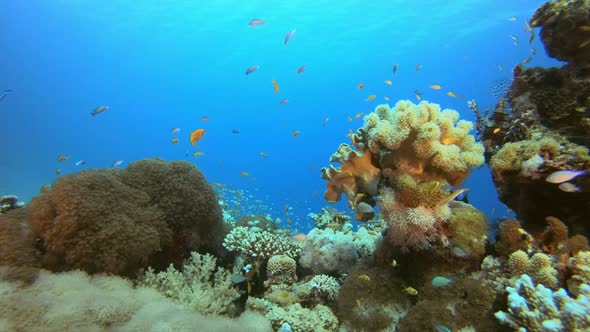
[540, 309]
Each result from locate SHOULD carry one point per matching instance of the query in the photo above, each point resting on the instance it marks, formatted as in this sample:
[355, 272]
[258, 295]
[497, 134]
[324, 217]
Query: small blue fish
[289, 35]
[81, 162]
[441, 328]
[117, 163]
[251, 70]
[439, 281]
[99, 110]
[4, 94]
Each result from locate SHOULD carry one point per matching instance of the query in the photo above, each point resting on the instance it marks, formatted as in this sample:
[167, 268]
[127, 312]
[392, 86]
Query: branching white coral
[538, 308]
[260, 245]
[201, 285]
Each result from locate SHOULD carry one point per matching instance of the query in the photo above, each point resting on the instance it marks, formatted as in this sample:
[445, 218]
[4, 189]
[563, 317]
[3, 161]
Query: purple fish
[251, 70]
[289, 35]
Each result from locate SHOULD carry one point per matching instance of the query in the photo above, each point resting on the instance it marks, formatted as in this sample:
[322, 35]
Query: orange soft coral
[355, 176]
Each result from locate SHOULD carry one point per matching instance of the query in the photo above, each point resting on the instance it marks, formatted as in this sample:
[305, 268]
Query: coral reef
[116, 221]
[9, 202]
[329, 218]
[74, 301]
[469, 229]
[512, 237]
[334, 252]
[260, 245]
[299, 319]
[200, 285]
[414, 152]
[280, 269]
[542, 125]
[540, 309]
[562, 34]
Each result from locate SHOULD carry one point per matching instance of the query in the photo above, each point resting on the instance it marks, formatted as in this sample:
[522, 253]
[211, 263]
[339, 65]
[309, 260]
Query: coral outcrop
[414, 153]
[564, 29]
[117, 221]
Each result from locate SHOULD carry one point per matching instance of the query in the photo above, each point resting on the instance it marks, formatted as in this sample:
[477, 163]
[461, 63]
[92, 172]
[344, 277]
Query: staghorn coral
[116, 221]
[200, 285]
[540, 309]
[560, 23]
[260, 245]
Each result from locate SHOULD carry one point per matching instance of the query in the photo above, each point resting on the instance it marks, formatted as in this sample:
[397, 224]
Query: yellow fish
[584, 28]
[361, 85]
[174, 140]
[275, 86]
[244, 174]
[358, 115]
[198, 154]
[410, 291]
[295, 133]
[263, 154]
[436, 87]
[364, 277]
[371, 97]
[393, 263]
[454, 195]
[388, 82]
[62, 157]
[495, 131]
[358, 302]
[451, 94]
[584, 44]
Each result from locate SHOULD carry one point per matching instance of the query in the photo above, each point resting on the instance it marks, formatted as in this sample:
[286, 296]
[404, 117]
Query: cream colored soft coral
[423, 140]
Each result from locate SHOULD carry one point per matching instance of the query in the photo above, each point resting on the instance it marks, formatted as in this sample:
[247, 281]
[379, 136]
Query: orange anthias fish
[452, 94]
[204, 118]
[358, 115]
[196, 135]
[62, 157]
[255, 22]
[371, 97]
[300, 70]
[275, 86]
[361, 85]
[418, 95]
[295, 133]
[436, 87]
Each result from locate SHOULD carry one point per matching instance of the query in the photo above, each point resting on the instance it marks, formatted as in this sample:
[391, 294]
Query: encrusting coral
[200, 285]
[117, 221]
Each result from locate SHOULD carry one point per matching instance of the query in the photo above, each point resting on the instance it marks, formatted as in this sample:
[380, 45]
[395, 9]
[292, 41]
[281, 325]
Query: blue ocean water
[165, 64]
